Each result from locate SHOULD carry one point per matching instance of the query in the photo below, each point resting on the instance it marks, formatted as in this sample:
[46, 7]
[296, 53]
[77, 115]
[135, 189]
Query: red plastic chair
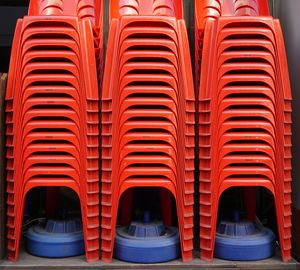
[52, 111]
[244, 111]
[147, 115]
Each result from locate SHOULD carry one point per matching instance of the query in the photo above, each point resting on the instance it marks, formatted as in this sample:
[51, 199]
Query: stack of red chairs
[147, 112]
[244, 111]
[53, 111]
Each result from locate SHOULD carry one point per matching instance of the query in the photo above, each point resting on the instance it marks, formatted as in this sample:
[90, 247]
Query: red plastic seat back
[172, 8]
[205, 9]
[52, 7]
[84, 9]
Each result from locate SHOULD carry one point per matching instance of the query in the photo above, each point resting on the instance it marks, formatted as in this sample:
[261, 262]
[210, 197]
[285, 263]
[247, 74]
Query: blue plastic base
[147, 249]
[256, 246]
[57, 240]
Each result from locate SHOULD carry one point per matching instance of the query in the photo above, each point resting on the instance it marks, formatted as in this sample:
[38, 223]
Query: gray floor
[27, 261]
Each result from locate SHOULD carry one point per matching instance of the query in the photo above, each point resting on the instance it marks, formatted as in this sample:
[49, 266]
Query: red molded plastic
[147, 114]
[52, 112]
[244, 105]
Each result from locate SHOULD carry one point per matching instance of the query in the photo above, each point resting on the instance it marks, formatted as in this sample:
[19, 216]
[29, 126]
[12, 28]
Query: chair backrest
[83, 8]
[145, 7]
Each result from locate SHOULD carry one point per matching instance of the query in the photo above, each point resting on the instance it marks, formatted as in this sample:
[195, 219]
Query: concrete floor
[27, 261]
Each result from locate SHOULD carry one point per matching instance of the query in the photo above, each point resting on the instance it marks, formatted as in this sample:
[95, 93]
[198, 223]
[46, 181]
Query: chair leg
[250, 202]
[165, 197]
[108, 226]
[51, 201]
[90, 223]
[126, 203]
[207, 232]
[186, 231]
[14, 234]
[283, 213]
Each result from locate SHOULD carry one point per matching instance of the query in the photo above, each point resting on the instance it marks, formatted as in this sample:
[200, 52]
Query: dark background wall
[288, 13]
